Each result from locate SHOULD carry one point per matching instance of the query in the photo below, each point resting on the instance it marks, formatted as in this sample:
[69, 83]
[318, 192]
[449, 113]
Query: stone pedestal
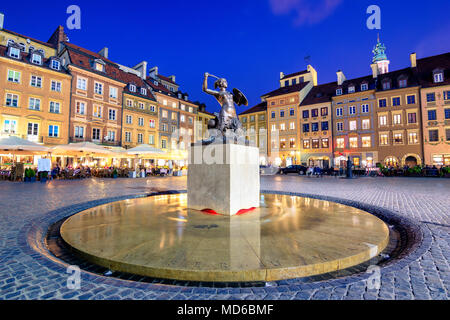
[223, 178]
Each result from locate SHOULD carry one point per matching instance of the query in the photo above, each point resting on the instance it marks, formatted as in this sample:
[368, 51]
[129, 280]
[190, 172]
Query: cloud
[307, 11]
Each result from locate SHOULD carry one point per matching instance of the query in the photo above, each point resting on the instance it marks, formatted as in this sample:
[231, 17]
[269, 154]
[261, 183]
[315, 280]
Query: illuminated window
[306, 144]
[398, 138]
[366, 124]
[353, 142]
[397, 119]
[340, 143]
[383, 120]
[353, 125]
[366, 142]
[412, 138]
[384, 139]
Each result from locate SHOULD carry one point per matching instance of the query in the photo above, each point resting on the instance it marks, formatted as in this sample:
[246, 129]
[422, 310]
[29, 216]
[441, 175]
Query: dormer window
[23, 47]
[99, 67]
[55, 64]
[31, 49]
[386, 85]
[438, 77]
[132, 88]
[339, 92]
[155, 83]
[351, 89]
[186, 98]
[42, 52]
[10, 42]
[364, 87]
[402, 83]
[144, 91]
[14, 52]
[36, 58]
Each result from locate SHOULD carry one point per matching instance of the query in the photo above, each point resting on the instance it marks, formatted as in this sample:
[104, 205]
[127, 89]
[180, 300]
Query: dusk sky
[248, 42]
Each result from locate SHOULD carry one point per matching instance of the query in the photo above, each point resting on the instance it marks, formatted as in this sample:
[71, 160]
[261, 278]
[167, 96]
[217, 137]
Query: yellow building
[282, 112]
[254, 122]
[34, 95]
[203, 118]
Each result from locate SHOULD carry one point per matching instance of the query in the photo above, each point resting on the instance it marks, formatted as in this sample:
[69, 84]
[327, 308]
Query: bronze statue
[227, 122]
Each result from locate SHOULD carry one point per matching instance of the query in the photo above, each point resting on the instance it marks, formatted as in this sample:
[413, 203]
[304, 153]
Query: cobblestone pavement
[27, 272]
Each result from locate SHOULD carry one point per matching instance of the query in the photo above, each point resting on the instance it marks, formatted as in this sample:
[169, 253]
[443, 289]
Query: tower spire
[380, 57]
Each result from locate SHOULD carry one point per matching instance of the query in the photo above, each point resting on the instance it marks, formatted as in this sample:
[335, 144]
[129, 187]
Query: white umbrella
[12, 143]
[83, 147]
[144, 149]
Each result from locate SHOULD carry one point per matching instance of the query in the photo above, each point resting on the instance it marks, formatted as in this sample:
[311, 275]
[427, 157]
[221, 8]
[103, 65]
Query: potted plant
[43, 176]
[445, 171]
[114, 174]
[27, 175]
[32, 175]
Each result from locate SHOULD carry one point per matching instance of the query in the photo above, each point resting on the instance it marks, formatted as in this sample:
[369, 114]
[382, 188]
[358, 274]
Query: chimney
[281, 75]
[313, 73]
[375, 70]
[153, 72]
[2, 20]
[340, 77]
[413, 58]
[142, 68]
[172, 77]
[104, 52]
[57, 37]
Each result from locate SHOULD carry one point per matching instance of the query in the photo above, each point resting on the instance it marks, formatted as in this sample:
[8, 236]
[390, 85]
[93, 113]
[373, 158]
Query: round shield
[239, 98]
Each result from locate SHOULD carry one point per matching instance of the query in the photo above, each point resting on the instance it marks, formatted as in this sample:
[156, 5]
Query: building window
[314, 113]
[112, 114]
[365, 108]
[382, 103]
[34, 104]
[128, 119]
[273, 114]
[36, 81]
[55, 107]
[81, 83]
[396, 101]
[351, 89]
[292, 125]
[340, 126]
[353, 125]
[340, 143]
[96, 134]
[282, 126]
[292, 143]
[144, 91]
[438, 77]
[384, 139]
[433, 135]
[306, 144]
[113, 92]
[127, 136]
[432, 115]
[306, 127]
[191, 110]
[99, 67]
[447, 114]
[339, 112]
[431, 97]
[386, 85]
[80, 107]
[353, 142]
[446, 95]
[79, 132]
[55, 64]
[339, 92]
[402, 83]
[411, 99]
[13, 76]
[10, 126]
[53, 131]
[12, 100]
[164, 114]
[383, 120]
[352, 110]
[141, 105]
[282, 114]
[111, 136]
[98, 88]
[292, 112]
[97, 111]
[141, 122]
[164, 144]
[324, 112]
[33, 129]
[152, 123]
[129, 103]
[14, 53]
[364, 87]
[315, 144]
[325, 143]
[397, 119]
[55, 86]
[140, 137]
[447, 134]
[412, 118]
[36, 59]
[305, 114]
[398, 138]
[152, 108]
[174, 116]
[366, 124]
[366, 142]
[151, 139]
[324, 126]
[315, 127]
[164, 127]
[412, 138]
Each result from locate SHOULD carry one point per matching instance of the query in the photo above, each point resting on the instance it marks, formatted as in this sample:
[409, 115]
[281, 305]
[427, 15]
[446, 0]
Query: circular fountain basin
[287, 237]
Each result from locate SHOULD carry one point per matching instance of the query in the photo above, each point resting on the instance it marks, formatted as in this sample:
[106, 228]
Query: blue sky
[248, 41]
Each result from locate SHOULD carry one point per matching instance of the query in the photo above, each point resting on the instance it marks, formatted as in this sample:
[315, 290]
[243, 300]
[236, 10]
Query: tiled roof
[258, 108]
[320, 94]
[156, 87]
[286, 90]
[426, 66]
[294, 74]
[166, 79]
[25, 58]
[32, 39]
[395, 76]
[131, 78]
[357, 82]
